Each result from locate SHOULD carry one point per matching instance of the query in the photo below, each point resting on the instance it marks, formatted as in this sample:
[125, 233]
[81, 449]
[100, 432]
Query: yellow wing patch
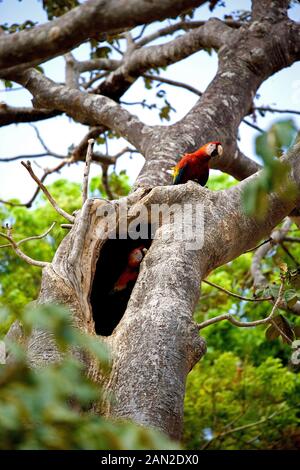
[175, 171]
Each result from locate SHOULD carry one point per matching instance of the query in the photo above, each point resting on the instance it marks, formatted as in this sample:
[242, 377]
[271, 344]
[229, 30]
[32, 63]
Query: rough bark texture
[27, 48]
[156, 342]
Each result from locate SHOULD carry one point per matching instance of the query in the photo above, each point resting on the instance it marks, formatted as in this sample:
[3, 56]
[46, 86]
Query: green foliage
[273, 177]
[230, 404]
[7, 83]
[245, 377]
[118, 184]
[55, 8]
[219, 181]
[16, 27]
[277, 139]
[101, 52]
[20, 282]
[49, 407]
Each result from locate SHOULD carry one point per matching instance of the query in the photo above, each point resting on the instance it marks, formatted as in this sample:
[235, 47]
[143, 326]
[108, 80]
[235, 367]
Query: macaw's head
[135, 257]
[213, 149]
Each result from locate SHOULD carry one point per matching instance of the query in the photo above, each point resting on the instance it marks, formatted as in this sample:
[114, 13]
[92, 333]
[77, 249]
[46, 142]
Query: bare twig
[141, 33]
[254, 126]
[37, 155]
[54, 204]
[289, 253]
[231, 319]
[244, 426]
[259, 245]
[36, 192]
[277, 235]
[34, 237]
[88, 160]
[66, 226]
[49, 152]
[26, 258]
[237, 296]
[40, 138]
[274, 110]
[21, 157]
[291, 239]
[79, 152]
[105, 182]
[94, 79]
[157, 78]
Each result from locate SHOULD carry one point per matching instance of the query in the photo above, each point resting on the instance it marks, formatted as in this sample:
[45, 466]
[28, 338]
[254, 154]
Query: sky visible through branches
[281, 91]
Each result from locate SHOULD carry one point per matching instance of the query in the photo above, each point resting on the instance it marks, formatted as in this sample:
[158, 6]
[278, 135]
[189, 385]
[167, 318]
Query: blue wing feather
[178, 179]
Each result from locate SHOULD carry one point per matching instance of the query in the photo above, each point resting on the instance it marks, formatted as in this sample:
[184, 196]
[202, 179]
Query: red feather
[131, 271]
[195, 166]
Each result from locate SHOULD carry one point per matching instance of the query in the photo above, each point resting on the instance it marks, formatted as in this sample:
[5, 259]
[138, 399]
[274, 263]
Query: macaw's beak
[218, 151]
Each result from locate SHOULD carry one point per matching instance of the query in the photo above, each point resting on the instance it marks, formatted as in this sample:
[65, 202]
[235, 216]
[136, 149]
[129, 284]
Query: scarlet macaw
[195, 166]
[131, 271]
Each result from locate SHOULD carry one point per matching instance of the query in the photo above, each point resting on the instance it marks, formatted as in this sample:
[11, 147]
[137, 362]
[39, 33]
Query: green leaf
[101, 52]
[262, 147]
[291, 297]
[285, 132]
[279, 137]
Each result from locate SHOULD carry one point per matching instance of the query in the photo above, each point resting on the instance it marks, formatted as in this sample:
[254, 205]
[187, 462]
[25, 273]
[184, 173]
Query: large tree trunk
[156, 343]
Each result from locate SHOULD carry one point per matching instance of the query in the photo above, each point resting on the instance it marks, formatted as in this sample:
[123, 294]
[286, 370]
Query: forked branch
[34, 237]
[234, 321]
[52, 201]
[23, 256]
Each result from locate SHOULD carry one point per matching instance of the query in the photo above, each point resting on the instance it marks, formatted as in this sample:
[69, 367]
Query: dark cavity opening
[109, 304]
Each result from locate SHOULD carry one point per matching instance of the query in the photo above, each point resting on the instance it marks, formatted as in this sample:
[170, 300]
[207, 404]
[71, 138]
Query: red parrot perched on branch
[195, 166]
[131, 271]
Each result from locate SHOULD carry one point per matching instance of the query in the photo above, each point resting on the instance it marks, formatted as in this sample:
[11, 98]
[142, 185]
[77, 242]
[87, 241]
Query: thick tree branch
[13, 115]
[71, 71]
[211, 35]
[266, 10]
[97, 64]
[229, 97]
[184, 25]
[26, 48]
[84, 107]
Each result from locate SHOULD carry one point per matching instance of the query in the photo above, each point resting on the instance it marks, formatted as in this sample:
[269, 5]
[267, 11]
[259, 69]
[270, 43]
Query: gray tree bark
[157, 343]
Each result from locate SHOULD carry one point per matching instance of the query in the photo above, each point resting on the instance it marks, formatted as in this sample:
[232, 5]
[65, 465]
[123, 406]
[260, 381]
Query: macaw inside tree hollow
[131, 271]
[195, 166]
